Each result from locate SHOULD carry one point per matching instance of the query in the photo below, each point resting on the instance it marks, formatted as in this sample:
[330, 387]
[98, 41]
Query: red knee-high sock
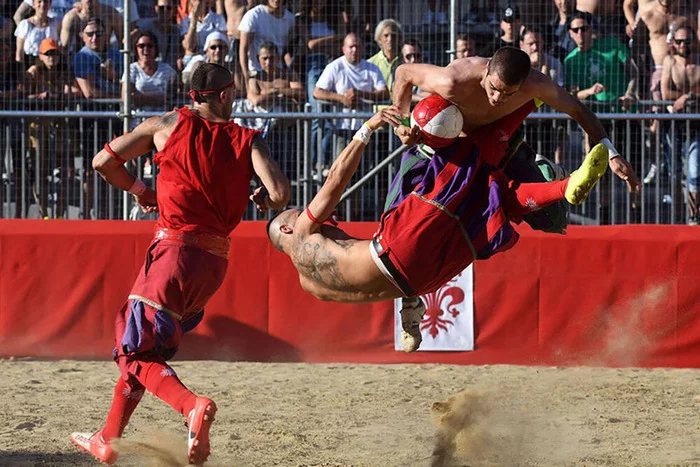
[524, 198]
[126, 398]
[162, 382]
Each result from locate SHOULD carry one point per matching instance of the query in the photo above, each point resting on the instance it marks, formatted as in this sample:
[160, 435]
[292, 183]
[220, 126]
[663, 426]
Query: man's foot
[412, 312]
[198, 423]
[584, 178]
[94, 444]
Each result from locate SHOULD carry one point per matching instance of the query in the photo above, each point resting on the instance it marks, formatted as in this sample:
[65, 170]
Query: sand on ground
[366, 415]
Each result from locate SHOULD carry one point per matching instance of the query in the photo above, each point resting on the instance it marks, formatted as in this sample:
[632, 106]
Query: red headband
[193, 93]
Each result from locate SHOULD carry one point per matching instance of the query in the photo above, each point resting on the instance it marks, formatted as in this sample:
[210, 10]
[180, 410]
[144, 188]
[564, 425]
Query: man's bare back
[334, 266]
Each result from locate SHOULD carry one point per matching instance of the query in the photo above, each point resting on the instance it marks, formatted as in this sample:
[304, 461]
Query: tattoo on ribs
[321, 265]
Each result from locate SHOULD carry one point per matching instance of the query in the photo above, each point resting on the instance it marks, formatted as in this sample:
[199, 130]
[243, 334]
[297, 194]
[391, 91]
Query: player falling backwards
[206, 165]
[459, 212]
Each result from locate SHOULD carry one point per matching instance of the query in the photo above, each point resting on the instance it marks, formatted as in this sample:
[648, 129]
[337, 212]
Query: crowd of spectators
[332, 54]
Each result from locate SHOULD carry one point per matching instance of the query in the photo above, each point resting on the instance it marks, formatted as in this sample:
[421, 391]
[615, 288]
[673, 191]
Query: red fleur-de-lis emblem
[441, 308]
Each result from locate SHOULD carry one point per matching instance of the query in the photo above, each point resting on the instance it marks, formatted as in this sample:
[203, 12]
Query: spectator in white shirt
[351, 81]
[195, 28]
[31, 31]
[264, 23]
[152, 81]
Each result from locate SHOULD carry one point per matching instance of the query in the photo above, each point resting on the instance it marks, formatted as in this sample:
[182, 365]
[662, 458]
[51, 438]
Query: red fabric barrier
[613, 296]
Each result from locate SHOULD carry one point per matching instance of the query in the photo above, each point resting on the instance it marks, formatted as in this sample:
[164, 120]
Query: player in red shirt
[206, 164]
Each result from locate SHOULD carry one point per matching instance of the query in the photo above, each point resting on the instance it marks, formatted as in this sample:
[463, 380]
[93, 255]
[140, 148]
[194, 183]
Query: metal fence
[47, 145]
[46, 168]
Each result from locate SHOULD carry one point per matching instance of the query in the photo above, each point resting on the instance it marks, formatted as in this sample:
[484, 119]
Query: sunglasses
[580, 29]
[417, 56]
[164, 7]
[94, 33]
[217, 47]
[682, 41]
[52, 53]
[145, 45]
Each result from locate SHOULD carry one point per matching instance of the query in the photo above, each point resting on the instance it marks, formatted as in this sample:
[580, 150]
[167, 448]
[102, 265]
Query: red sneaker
[198, 423]
[94, 444]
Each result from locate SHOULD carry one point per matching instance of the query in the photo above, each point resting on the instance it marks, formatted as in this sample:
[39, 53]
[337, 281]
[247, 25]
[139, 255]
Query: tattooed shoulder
[168, 120]
[321, 264]
[260, 144]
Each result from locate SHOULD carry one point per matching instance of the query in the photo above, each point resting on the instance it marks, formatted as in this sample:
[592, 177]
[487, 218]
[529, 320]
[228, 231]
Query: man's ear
[286, 229]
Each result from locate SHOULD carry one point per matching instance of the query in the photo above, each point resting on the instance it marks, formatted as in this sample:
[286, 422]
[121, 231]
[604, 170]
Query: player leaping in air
[459, 212]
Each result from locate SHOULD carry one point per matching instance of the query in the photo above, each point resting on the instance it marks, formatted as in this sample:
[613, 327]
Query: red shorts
[167, 300]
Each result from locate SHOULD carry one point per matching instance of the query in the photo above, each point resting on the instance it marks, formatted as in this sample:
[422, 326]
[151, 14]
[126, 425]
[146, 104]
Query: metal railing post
[126, 97]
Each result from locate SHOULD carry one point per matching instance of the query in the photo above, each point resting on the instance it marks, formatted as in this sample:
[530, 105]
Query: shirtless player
[458, 213]
[481, 89]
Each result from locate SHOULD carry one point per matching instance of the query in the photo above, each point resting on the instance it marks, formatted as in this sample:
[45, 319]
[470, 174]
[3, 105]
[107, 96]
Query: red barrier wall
[614, 296]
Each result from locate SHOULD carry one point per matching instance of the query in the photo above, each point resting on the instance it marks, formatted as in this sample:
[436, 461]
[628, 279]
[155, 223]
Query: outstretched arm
[540, 86]
[341, 172]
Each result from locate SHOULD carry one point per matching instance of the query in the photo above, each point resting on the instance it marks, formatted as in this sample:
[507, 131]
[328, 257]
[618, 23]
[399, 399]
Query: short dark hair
[531, 30]
[267, 45]
[578, 14]
[151, 36]
[463, 36]
[209, 77]
[511, 65]
[94, 21]
[413, 43]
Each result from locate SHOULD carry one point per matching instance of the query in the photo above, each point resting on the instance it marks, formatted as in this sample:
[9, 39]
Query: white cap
[215, 36]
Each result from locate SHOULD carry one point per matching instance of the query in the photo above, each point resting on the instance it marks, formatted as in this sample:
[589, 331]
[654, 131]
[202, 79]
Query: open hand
[625, 171]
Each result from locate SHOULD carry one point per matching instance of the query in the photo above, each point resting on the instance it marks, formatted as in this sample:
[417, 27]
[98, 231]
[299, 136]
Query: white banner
[448, 323]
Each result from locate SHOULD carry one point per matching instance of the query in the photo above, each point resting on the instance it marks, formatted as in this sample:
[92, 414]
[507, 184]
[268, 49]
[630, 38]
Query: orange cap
[47, 45]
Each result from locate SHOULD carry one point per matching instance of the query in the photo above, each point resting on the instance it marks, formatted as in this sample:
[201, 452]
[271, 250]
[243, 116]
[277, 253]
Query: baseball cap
[510, 14]
[215, 36]
[47, 45]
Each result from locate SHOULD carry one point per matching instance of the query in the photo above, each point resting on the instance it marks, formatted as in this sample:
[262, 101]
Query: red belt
[213, 244]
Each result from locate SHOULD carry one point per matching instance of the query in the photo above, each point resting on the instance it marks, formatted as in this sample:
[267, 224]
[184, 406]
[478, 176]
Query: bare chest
[685, 78]
[478, 112]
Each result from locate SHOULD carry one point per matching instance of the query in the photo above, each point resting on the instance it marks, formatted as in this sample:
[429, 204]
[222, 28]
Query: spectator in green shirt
[389, 36]
[599, 69]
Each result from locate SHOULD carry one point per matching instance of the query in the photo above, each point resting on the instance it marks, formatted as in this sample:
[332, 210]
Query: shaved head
[280, 226]
[209, 77]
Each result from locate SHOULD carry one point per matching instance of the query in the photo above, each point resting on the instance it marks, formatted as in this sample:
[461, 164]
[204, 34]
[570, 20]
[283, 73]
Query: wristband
[363, 134]
[138, 188]
[612, 152]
